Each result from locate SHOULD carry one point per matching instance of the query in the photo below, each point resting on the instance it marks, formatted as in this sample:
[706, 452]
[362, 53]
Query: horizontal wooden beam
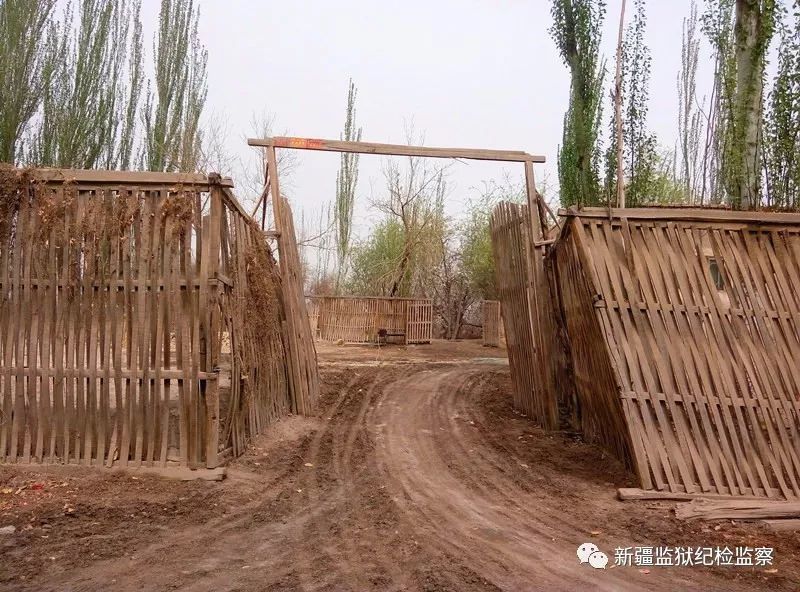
[230, 199]
[391, 298]
[170, 471]
[99, 373]
[111, 284]
[104, 177]
[395, 149]
[686, 214]
[735, 509]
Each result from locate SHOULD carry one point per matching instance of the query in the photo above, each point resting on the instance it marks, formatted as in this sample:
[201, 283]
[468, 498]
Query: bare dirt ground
[416, 475]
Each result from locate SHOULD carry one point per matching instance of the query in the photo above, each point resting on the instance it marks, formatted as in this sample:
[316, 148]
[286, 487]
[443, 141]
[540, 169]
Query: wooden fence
[127, 320]
[302, 354]
[529, 316]
[684, 332]
[491, 325]
[358, 319]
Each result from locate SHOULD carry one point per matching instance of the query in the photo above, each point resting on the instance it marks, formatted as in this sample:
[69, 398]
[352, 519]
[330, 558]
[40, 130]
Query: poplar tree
[753, 31]
[717, 26]
[86, 119]
[172, 110]
[577, 31]
[25, 37]
[782, 121]
[640, 144]
[689, 114]
[346, 182]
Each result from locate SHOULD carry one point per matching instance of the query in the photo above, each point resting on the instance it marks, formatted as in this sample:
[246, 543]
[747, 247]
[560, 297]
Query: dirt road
[417, 475]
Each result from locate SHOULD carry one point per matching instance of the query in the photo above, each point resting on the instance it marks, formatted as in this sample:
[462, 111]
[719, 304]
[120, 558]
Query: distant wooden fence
[491, 325]
[137, 326]
[358, 319]
[312, 305]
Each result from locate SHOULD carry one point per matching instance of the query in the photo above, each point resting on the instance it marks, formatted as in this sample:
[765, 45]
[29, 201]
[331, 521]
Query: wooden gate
[419, 321]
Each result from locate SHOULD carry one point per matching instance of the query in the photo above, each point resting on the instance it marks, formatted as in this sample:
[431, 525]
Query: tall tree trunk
[752, 33]
[401, 272]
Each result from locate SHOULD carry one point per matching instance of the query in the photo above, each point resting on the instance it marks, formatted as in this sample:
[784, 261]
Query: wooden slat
[737, 510]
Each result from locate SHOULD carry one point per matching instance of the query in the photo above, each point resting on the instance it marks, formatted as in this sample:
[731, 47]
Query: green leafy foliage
[172, 112]
[375, 261]
[640, 146]
[577, 30]
[87, 112]
[640, 143]
[475, 244]
[753, 31]
[690, 115]
[26, 39]
[740, 33]
[782, 122]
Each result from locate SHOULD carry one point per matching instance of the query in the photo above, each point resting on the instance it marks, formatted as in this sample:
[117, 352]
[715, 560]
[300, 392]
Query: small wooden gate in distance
[419, 321]
[356, 319]
[490, 311]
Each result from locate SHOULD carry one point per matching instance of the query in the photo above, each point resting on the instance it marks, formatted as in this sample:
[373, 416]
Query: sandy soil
[415, 475]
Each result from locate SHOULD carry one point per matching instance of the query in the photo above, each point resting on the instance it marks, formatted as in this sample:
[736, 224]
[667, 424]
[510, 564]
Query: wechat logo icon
[589, 553]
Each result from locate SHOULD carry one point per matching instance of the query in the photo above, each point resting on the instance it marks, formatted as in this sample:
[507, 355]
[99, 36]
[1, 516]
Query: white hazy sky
[468, 73]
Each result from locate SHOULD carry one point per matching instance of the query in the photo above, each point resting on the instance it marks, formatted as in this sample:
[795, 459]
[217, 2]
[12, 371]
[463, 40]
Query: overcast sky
[468, 73]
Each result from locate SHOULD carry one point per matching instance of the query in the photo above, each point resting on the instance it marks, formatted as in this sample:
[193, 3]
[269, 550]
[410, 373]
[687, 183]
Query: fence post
[212, 421]
[211, 320]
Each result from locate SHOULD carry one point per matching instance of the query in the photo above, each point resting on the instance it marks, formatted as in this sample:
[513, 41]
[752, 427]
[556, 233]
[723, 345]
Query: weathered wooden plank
[737, 509]
[28, 351]
[124, 178]
[685, 215]
[635, 494]
[392, 149]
